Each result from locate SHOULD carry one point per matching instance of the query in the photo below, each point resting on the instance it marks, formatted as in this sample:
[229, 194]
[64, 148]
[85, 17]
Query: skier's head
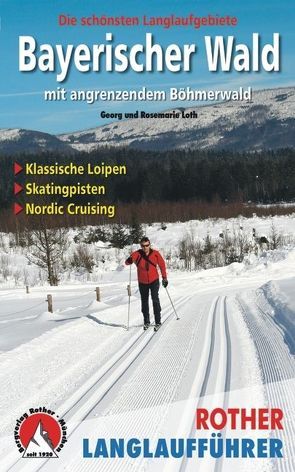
[145, 244]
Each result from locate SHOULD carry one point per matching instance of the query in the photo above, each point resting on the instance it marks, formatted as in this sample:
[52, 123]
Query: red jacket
[147, 271]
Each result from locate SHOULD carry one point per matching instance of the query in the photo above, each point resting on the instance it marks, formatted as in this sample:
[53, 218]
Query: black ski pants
[144, 293]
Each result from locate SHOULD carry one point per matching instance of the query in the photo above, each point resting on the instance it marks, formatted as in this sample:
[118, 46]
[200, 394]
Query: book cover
[147, 247]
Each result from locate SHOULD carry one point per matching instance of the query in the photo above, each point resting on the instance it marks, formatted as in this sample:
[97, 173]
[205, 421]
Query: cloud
[20, 94]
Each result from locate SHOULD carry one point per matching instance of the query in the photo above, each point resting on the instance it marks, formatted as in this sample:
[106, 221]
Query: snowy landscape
[147, 237]
[233, 345]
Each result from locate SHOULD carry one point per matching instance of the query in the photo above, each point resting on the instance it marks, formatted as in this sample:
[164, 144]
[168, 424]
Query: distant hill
[15, 141]
[267, 122]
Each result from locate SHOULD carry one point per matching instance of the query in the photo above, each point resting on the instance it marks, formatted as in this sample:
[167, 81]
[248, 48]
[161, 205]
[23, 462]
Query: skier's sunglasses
[145, 245]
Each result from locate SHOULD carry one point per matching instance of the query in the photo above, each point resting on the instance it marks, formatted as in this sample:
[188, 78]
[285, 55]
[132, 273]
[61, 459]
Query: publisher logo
[40, 433]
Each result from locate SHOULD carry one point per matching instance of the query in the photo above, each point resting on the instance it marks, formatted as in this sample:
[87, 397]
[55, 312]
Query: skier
[147, 259]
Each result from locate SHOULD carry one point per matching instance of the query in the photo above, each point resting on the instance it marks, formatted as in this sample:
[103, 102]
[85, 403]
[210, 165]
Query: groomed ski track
[83, 403]
[217, 371]
[277, 367]
[127, 367]
[185, 360]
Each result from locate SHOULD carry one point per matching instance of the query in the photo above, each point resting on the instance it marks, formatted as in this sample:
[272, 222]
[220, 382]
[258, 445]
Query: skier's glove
[165, 283]
[129, 260]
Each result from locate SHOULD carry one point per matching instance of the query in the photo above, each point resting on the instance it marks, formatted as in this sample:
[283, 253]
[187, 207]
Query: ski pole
[177, 317]
[129, 295]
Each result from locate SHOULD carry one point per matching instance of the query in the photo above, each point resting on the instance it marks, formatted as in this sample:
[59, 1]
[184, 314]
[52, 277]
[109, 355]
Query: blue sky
[21, 94]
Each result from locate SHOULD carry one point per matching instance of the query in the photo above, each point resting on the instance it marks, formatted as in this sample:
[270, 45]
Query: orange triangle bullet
[17, 209]
[17, 168]
[17, 188]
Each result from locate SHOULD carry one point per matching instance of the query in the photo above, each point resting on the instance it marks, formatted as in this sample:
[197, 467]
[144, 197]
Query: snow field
[143, 383]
